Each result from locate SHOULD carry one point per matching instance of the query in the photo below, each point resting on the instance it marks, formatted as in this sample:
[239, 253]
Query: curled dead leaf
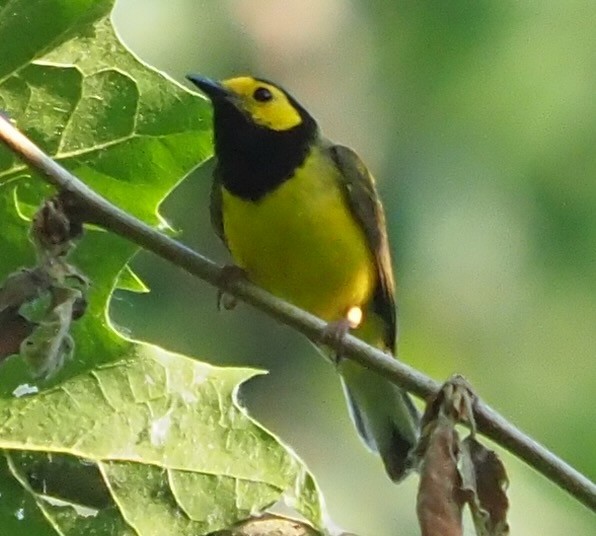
[14, 329]
[454, 473]
[439, 504]
[269, 525]
[484, 484]
[38, 305]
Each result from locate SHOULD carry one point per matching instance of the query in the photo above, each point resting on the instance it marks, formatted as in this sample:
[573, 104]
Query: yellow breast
[301, 242]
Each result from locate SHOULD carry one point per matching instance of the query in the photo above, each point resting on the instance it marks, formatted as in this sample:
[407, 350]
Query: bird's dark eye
[262, 94]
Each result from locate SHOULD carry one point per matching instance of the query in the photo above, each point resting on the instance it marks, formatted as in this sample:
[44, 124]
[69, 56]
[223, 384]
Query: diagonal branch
[99, 210]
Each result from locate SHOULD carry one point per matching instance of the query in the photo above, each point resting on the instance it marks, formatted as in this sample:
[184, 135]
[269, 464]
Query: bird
[302, 218]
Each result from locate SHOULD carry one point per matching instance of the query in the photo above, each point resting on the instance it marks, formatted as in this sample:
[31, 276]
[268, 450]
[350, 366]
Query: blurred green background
[479, 120]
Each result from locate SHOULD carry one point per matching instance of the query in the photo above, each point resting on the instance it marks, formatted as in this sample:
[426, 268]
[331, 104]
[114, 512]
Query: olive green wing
[215, 208]
[366, 206]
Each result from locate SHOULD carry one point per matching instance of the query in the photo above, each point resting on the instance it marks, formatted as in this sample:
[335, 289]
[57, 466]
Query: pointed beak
[212, 88]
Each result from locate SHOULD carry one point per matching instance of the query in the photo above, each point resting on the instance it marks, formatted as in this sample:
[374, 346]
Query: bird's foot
[336, 331]
[229, 275]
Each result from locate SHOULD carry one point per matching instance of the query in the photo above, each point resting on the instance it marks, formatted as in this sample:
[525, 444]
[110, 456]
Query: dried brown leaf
[269, 525]
[52, 231]
[14, 329]
[50, 344]
[38, 305]
[439, 505]
[484, 484]
[440, 500]
[23, 286]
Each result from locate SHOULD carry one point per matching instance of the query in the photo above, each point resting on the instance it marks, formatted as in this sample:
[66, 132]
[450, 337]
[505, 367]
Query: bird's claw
[334, 334]
[229, 275]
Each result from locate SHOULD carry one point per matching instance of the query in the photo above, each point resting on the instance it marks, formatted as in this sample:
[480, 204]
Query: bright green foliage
[128, 438]
[177, 453]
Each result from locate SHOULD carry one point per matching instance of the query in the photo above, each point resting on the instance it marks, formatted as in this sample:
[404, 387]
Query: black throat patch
[253, 160]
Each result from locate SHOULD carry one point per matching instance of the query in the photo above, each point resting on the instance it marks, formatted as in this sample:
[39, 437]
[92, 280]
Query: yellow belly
[301, 242]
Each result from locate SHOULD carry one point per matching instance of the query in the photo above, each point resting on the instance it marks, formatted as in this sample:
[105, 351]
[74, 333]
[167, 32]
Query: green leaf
[19, 513]
[128, 280]
[175, 450]
[125, 129]
[128, 438]
[128, 131]
[68, 517]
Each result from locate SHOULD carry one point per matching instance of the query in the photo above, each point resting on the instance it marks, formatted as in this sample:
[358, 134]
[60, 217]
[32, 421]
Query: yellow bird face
[265, 104]
[260, 102]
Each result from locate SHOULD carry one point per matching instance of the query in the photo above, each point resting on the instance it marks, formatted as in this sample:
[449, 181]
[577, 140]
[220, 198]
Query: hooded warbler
[302, 218]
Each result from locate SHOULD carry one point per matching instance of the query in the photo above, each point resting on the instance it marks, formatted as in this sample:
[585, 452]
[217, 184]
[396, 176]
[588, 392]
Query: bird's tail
[383, 414]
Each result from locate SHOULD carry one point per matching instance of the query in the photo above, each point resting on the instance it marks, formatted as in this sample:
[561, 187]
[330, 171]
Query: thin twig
[489, 422]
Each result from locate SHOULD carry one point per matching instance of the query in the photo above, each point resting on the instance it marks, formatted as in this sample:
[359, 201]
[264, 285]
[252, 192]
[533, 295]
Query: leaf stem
[101, 211]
